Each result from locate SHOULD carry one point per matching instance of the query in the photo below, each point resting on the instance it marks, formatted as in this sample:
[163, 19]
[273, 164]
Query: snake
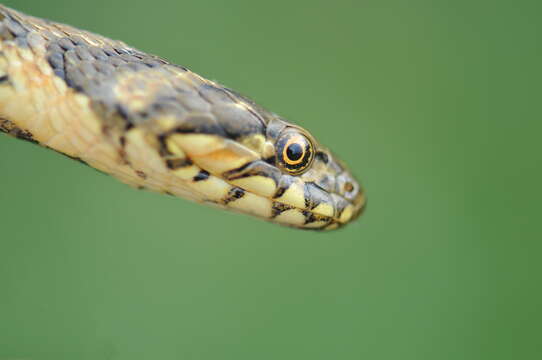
[158, 126]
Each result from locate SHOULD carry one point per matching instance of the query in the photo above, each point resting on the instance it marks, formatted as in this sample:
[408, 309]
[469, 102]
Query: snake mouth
[229, 176]
[324, 216]
[295, 203]
[315, 219]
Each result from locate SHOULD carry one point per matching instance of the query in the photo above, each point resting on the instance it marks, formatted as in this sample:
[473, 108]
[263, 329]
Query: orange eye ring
[294, 152]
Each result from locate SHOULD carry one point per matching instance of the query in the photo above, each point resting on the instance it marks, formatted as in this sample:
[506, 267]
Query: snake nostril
[348, 187]
[322, 156]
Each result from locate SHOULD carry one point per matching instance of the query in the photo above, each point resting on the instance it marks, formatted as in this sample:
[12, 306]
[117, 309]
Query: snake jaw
[233, 176]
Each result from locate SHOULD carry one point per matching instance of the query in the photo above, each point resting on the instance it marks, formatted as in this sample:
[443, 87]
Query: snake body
[158, 126]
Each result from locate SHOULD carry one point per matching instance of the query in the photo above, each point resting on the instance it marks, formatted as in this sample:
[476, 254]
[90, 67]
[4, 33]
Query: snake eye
[294, 152]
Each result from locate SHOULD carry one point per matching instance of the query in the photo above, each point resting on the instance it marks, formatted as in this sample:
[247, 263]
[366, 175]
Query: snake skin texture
[158, 126]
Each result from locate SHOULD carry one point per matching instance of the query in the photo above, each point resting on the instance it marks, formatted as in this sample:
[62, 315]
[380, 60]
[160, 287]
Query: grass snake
[159, 126]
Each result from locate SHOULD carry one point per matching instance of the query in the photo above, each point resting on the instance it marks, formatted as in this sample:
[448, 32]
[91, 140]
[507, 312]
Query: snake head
[159, 126]
[251, 161]
[331, 195]
[215, 146]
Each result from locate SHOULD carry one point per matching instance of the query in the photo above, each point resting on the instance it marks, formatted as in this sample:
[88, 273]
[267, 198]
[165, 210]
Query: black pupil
[294, 152]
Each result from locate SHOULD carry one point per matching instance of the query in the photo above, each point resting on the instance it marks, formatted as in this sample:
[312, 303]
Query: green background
[435, 105]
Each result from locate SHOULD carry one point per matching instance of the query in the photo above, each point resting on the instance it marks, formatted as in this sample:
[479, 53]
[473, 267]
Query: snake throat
[159, 126]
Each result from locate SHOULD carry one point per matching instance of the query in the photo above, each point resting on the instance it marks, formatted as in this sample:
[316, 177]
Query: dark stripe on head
[255, 168]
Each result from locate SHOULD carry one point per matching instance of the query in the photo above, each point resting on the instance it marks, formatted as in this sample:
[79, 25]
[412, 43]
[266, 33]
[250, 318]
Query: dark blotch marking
[141, 174]
[11, 129]
[163, 148]
[234, 194]
[4, 79]
[25, 135]
[311, 217]
[272, 160]
[255, 168]
[202, 175]
[278, 208]
[284, 184]
[178, 163]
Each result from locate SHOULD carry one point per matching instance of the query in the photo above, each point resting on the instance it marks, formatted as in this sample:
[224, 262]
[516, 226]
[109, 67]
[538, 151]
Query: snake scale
[158, 126]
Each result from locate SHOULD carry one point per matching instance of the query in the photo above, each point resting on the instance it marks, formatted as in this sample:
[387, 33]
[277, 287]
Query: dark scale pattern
[175, 164]
[285, 182]
[202, 175]
[314, 196]
[12, 29]
[311, 217]
[111, 73]
[9, 128]
[278, 208]
[234, 194]
[96, 71]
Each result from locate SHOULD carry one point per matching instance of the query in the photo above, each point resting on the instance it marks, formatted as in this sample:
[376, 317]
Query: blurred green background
[435, 105]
